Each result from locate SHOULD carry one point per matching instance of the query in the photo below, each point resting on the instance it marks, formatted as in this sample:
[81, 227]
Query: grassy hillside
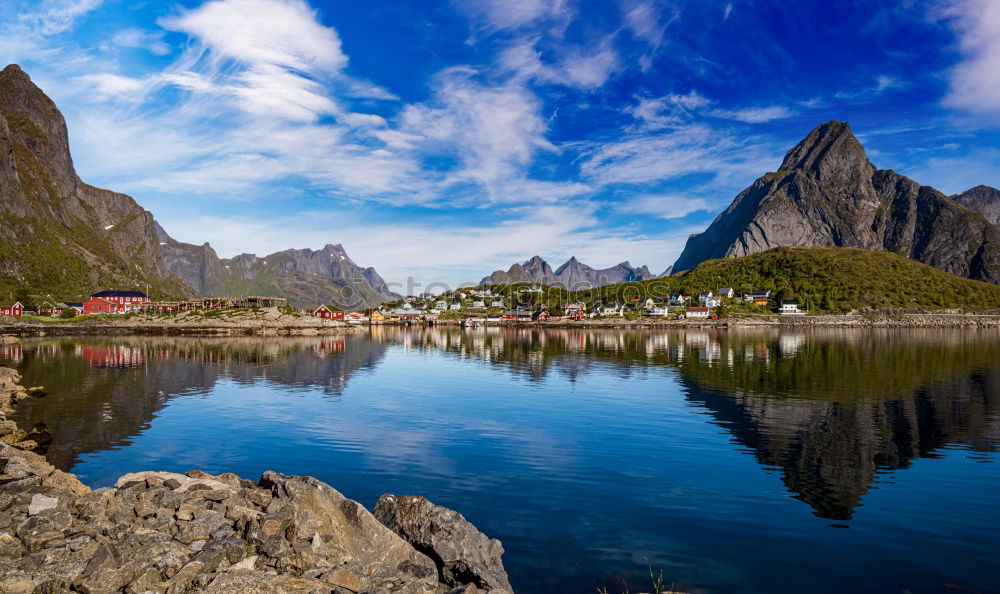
[830, 279]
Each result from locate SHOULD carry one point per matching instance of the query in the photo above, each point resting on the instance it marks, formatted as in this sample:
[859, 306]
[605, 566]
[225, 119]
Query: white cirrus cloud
[662, 206]
[151, 41]
[579, 67]
[753, 115]
[494, 130]
[284, 33]
[975, 79]
[497, 15]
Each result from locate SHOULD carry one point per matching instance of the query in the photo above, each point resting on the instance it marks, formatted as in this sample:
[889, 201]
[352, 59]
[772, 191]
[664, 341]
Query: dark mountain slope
[61, 236]
[827, 194]
[57, 234]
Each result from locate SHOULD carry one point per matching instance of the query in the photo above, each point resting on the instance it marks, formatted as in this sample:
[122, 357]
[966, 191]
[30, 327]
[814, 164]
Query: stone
[248, 564]
[343, 578]
[255, 583]
[40, 503]
[463, 554]
[347, 529]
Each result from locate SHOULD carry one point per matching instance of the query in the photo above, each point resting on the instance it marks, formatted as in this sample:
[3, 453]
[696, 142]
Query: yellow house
[378, 316]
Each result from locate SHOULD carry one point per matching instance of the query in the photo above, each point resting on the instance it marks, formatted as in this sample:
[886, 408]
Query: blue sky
[443, 140]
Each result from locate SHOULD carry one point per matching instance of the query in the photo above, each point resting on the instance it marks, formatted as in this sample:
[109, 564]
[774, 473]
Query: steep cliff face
[61, 236]
[57, 234]
[827, 194]
[306, 277]
[983, 200]
[573, 275]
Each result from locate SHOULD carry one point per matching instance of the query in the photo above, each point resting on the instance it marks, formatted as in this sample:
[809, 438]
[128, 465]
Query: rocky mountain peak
[982, 200]
[831, 152]
[827, 194]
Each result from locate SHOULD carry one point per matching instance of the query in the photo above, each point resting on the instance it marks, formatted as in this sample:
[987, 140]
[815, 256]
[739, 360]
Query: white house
[441, 304]
[478, 303]
[765, 294]
[612, 309]
[659, 311]
[497, 302]
[727, 293]
[455, 305]
[790, 307]
[704, 296]
[697, 312]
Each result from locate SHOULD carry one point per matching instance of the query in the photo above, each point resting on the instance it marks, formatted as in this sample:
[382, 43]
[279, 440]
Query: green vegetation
[833, 280]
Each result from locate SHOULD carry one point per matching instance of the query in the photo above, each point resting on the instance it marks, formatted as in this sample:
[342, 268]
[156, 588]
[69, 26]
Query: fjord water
[750, 461]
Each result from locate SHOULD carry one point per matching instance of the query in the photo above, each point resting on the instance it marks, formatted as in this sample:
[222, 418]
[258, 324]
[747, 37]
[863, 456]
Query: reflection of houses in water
[12, 352]
[708, 346]
[118, 356]
[789, 344]
[328, 347]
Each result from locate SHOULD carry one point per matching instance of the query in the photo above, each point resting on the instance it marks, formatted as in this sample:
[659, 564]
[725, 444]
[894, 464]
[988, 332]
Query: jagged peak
[534, 260]
[14, 70]
[830, 150]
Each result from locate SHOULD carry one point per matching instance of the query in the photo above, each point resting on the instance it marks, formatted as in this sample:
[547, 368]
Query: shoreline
[316, 327]
[169, 532]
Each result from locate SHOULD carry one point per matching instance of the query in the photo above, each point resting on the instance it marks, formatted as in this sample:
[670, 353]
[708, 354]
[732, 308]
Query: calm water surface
[751, 461]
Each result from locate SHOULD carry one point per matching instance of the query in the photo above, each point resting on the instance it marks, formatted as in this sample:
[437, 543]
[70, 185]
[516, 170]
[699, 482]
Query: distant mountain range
[827, 194]
[572, 275]
[61, 236]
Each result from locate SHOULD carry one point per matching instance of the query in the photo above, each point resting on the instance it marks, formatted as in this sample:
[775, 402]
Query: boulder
[463, 554]
[342, 532]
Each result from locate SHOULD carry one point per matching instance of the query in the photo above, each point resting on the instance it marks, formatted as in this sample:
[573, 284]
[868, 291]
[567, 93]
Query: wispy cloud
[663, 206]
[497, 15]
[753, 115]
[151, 41]
[975, 80]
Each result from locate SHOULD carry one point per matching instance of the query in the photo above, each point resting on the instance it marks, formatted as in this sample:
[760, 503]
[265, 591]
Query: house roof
[120, 294]
[15, 304]
[726, 290]
[697, 309]
[789, 302]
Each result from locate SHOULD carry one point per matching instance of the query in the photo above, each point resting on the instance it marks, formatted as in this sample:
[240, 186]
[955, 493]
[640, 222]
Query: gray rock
[349, 532]
[40, 503]
[463, 554]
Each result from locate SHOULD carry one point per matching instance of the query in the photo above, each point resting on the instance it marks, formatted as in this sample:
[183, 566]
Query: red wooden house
[126, 300]
[48, 309]
[329, 312]
[96, 305]
[14, 310]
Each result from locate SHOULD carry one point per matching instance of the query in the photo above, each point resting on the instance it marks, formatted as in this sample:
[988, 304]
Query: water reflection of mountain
[828, 409]
[101, 393]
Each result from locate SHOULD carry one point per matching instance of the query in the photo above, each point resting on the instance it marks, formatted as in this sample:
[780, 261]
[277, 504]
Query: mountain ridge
[571, 275]
[828, 194]
[62, 236]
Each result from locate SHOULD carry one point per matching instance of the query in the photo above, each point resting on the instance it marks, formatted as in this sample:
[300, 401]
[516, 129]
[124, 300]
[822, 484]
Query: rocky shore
[267, 321]
[193, 532]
